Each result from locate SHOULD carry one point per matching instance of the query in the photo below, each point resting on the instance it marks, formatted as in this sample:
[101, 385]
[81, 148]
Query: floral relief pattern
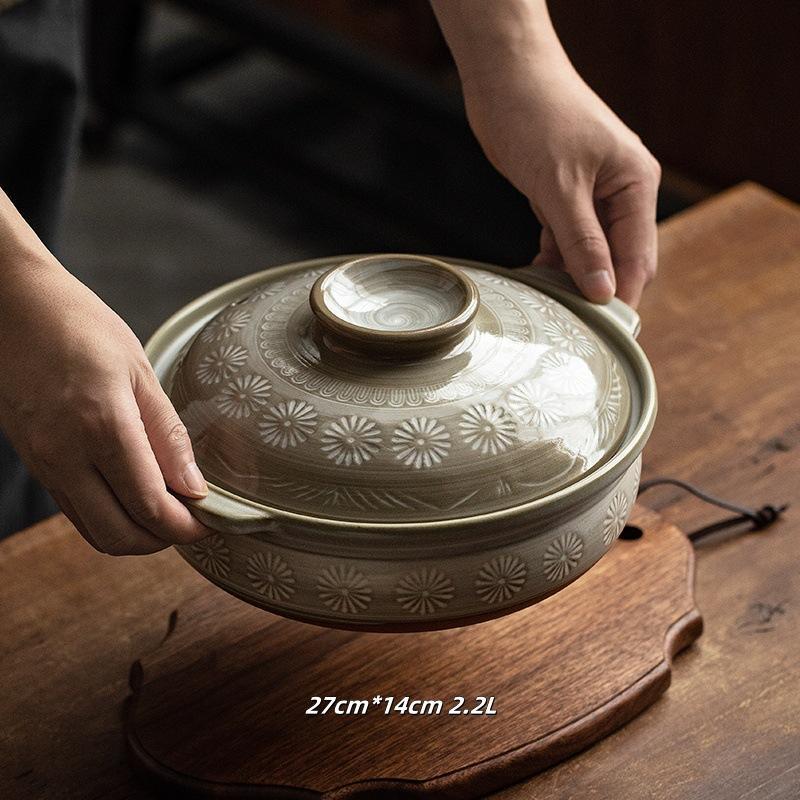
[243, 395]
[500, 579]
[213, 555]
[351, 441]
[271, 576]
[344, 590]
[286, 355]
[610, 406]
[288, 424]
[421, 442]
[221, 364]
[497, 280]
[540, 302]
[615, 517]
[494, 402]
[535, 404]
[503, 488]
[270, 290]
[567, 335]
[566, 373]
[339, 496]
[488, 428]
[562, 556]
[424, 592]
[225, 325]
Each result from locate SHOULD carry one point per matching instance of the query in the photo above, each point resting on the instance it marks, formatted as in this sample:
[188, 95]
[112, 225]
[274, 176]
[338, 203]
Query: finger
[124, 457]
[72, 515]
[630, 222]
[548, 255]
[581, 242]
[168, 438]
[104, 519]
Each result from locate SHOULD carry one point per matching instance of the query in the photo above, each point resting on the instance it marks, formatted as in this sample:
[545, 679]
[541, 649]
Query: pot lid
[399, 389]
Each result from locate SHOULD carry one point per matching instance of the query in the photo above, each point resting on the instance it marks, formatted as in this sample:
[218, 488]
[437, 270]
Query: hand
[82, 406]
[589, 179]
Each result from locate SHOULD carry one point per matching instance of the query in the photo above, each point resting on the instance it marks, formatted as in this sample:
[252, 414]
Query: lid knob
[393, 306]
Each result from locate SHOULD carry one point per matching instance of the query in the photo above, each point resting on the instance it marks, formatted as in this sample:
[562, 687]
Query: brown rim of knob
[391, 342]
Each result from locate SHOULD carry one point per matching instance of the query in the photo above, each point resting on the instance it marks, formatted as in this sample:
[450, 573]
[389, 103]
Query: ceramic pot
[402, 443]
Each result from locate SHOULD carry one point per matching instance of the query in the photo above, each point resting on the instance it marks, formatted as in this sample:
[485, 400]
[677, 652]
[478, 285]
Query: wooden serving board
[219, 709]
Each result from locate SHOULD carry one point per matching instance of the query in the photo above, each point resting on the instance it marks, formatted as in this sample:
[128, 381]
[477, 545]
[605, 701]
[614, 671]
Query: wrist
[23, 268]
[499, 43]
[22, 253]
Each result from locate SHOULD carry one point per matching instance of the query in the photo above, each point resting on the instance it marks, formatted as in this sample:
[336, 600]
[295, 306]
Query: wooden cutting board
[220, 708]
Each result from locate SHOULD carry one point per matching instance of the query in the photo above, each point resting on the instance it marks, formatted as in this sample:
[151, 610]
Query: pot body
[428, 574]
[416, 582]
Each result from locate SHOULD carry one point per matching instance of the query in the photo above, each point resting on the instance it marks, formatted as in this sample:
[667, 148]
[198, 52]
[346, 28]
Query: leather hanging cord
[759, 518]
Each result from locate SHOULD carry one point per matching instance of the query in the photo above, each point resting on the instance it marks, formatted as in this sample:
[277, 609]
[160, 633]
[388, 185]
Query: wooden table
[722, 329]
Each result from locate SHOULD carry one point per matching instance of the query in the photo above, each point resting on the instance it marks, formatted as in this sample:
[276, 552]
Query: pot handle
[616, 309]
[224, 512]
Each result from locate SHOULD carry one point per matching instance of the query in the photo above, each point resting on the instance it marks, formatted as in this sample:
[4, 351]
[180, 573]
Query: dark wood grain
[709, 85]
[722, 329]
[224, 699]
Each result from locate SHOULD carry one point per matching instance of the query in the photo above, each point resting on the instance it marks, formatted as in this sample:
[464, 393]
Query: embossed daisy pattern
[498, 280]
[500, 579]
[270, 290]
[421, 442]
[611, 406]
[221, 364]
[225, 325]
[243, 396]
[424, 592]
[535, 404]
[344, 590]
[562, 556]
[503, 488]
[351, 441]
[213, 555]
[567, 374]
[614, 520]
[488, 428]
[565, 334]
[288, 424]
[271, 576]
[540, 302]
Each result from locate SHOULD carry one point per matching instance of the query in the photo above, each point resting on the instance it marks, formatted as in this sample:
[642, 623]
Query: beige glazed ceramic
[399, 443]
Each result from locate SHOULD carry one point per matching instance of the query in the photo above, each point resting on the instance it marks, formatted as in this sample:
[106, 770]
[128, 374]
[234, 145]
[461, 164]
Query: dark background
[224, 136]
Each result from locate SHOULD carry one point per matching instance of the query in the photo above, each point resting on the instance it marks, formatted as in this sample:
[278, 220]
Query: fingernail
[194, 480]
[598, 286]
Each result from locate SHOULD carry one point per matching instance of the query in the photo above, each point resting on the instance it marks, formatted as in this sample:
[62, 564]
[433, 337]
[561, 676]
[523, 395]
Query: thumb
[582, 243]
[169, 440]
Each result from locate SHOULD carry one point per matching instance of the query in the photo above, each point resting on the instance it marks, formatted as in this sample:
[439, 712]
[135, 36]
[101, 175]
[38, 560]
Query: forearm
[497, 39]
[20, 247]
[27, 270]
[588, 178]
[82, 406]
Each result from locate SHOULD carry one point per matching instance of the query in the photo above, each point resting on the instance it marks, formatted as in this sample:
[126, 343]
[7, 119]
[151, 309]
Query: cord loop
[759, 518]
